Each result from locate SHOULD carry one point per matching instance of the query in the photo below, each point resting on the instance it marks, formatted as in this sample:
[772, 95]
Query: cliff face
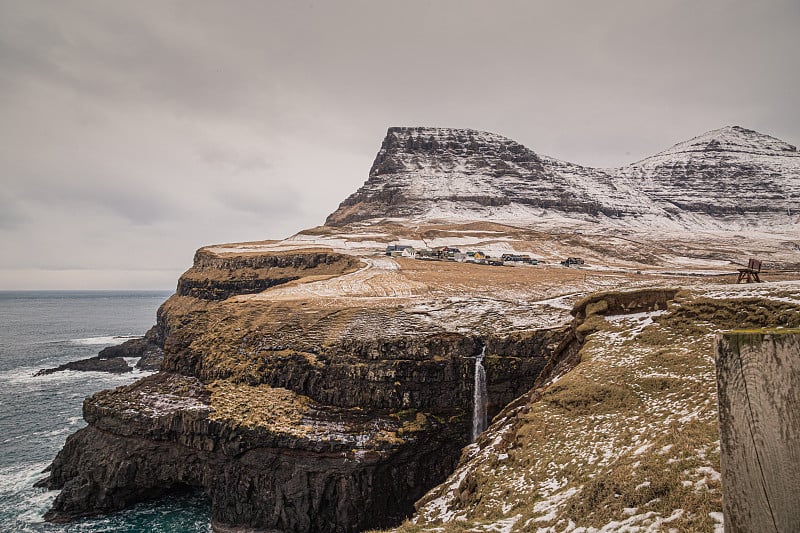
[217, 277]
[628, 440]
[162, 434]
[282, 415]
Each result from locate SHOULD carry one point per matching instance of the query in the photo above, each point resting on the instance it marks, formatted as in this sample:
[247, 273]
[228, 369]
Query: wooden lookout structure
[758, 375]
[750, 274]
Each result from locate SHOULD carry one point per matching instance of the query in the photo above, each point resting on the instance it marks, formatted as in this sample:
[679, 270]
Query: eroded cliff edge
[292, 414]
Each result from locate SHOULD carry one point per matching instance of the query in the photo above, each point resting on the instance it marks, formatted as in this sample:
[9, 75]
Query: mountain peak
[417, 147]
[428, 173]
[423, 148]
[424, 131]
[732, 139]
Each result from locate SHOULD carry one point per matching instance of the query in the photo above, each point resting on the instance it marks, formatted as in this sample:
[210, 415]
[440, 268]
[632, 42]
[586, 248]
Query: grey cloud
[134, 132]
[12, 217]
[265, 203]
[236, 162]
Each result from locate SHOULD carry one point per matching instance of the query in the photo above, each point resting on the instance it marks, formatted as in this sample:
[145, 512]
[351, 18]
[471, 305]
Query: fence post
[758, 381]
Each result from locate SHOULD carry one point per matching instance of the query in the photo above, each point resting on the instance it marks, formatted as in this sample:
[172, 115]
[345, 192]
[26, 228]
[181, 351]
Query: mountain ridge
[424, 173]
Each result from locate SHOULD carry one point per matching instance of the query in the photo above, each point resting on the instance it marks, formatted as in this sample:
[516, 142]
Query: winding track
[381, 277]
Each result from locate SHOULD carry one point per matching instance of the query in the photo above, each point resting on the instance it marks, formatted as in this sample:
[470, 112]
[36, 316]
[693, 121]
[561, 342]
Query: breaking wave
[111, 340]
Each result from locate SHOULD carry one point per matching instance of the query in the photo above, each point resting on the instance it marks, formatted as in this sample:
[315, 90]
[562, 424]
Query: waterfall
[479, 398]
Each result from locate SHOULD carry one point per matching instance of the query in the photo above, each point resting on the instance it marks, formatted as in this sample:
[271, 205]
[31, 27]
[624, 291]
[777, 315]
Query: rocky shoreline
[149, 349]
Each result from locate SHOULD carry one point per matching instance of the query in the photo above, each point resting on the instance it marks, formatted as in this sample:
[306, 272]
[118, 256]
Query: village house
[519, 258]
[400, 250]
[570, 261]
[447, 253]
[427, 255]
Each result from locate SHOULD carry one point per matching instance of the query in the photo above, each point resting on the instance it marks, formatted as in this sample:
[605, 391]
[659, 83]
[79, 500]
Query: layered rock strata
[219, 276]
[432, 172]
[303, 388]
[290, 417]
[729, 171]
[729, 175]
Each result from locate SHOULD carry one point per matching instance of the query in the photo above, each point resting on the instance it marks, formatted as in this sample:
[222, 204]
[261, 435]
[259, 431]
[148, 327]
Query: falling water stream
[479, 397]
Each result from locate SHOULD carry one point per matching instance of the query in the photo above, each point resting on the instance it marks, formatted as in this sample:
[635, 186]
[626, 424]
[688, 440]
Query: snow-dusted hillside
[729, 171]
[724, 179]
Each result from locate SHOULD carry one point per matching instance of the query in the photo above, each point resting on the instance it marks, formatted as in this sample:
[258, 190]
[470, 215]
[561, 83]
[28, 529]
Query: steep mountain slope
[446, 174]
[731, 170]
[717, 180]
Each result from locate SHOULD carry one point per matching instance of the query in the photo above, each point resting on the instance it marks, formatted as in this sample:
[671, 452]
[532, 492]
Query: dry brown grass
[260, 406]
[632, 431]
[458, 278]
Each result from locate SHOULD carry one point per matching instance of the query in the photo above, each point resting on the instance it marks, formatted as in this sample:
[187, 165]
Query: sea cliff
[280, 414]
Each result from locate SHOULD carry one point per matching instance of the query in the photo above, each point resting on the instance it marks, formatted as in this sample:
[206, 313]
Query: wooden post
[758, 381]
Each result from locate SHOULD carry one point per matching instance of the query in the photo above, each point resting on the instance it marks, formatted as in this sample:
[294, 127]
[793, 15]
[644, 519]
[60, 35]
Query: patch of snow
[502, 526]
[641, 449]
[712, 474]
[719, 526]
[548, 508]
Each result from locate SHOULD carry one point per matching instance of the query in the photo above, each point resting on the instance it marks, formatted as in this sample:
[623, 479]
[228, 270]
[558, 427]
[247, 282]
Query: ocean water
[46, 329]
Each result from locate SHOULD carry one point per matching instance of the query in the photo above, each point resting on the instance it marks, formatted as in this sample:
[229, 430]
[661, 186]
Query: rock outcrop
[149, 349]
[451, 173]
[113, 365]
[219, 276]
[161, 434]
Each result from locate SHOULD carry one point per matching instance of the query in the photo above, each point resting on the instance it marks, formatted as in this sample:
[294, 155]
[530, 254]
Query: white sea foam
[17, 477]
[106, 340]
[24, 375]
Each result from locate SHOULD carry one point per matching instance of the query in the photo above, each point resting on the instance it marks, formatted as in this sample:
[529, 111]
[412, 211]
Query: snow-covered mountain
[726, 176]
[727, 171]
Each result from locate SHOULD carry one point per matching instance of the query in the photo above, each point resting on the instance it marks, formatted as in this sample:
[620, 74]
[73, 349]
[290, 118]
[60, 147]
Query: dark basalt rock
[113, 365]
[151, 358]
[156, 436]
[140, 444]
[264, 488]
[150, 354]
[215, 277]
[149, 350]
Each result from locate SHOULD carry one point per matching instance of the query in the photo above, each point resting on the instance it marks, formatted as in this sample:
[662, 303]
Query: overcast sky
[132, 133]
